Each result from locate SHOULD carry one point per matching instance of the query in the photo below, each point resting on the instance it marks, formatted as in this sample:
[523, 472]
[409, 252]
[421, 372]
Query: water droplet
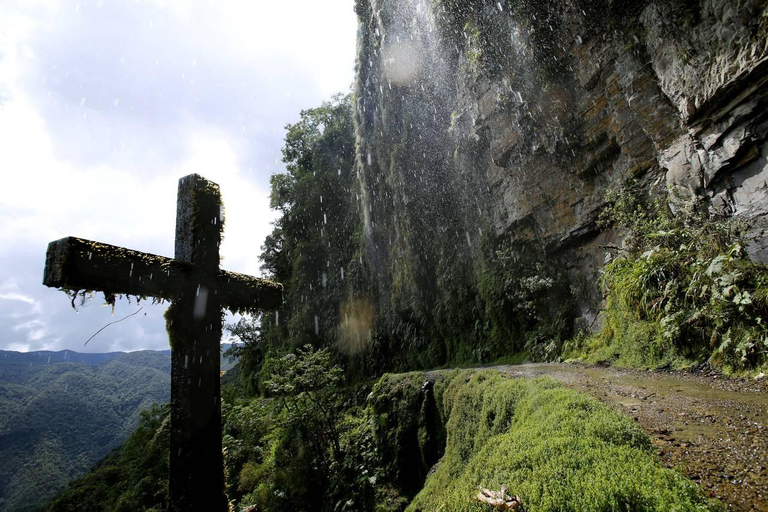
[186, 361]
[317, 326]
[277, 315]
[200, 302]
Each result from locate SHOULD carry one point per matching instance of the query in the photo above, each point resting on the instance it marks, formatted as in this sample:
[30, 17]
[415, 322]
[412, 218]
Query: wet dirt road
[710, 427]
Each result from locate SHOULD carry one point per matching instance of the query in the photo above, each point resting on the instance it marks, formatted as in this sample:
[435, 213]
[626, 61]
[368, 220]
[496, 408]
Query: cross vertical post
[194, 327]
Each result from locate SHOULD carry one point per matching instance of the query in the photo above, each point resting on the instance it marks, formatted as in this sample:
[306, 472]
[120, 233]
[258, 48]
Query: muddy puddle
[710, 427]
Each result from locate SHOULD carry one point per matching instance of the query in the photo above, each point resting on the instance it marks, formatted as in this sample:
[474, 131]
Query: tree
[313, 245]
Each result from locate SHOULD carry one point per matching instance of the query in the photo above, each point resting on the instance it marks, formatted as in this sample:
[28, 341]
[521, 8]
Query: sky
[104, 105]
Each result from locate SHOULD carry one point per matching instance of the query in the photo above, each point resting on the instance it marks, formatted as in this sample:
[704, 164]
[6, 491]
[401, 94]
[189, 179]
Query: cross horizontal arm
[243, 293]
[77, 264]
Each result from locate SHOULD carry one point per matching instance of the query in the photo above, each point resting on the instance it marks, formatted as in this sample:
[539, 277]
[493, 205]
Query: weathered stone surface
[530, 111]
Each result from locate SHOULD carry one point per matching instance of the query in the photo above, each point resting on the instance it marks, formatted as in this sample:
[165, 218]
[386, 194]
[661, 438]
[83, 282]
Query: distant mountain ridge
[41, 357]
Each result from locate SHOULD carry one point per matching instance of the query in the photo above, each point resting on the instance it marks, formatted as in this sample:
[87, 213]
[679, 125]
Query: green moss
[682, 291]
[473, 50]
[406, 428]
[556, 448]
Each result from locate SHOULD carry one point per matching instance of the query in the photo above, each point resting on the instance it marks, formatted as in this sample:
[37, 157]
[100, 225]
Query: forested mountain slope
[58, 418]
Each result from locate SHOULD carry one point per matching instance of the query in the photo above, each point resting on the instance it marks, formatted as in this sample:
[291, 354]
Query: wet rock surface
[712, 428]
[525, 113]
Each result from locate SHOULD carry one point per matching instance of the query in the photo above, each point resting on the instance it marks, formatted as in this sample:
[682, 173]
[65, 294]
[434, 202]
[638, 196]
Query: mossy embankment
[427, 440]
[556, 448]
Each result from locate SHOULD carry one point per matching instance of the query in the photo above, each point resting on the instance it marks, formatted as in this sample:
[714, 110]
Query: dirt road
[712, 428]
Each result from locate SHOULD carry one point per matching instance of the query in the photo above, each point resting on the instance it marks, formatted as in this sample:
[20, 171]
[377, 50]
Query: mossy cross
[198, 290]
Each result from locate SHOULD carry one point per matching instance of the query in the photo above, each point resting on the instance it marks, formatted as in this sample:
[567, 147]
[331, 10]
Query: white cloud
[105, 105]
[18, 297]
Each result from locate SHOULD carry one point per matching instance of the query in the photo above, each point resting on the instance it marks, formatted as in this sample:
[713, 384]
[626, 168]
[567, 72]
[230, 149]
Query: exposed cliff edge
[489, 132]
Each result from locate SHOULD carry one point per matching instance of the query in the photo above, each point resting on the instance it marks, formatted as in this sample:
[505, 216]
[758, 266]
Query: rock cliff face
[481, 122]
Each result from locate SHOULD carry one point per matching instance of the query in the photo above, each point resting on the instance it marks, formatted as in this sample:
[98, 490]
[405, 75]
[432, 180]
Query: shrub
[682, 290]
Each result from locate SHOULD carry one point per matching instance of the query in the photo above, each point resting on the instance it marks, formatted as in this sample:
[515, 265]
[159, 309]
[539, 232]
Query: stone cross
[197, 290]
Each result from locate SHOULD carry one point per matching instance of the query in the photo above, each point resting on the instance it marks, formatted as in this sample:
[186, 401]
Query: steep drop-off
[489, 132]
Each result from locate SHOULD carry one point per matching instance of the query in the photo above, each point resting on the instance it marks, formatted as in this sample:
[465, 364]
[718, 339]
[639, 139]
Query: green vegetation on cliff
[341, 293]
[681, 291]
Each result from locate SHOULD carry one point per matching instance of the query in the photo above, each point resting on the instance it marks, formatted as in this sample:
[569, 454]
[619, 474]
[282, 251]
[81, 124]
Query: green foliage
[250, 351]
[305, 447]
[246, 426]
[683, 291]
[297, 376]
[133, 477]
[525, 302]
[555, 448]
